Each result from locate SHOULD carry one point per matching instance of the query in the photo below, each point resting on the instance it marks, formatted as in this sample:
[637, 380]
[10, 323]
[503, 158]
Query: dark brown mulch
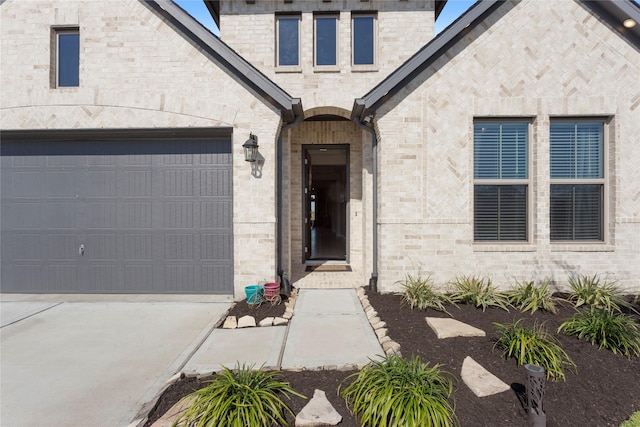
[605, 391]
[259, 312]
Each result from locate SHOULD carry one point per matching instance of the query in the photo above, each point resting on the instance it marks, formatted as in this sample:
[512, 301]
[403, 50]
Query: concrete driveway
[93, 363]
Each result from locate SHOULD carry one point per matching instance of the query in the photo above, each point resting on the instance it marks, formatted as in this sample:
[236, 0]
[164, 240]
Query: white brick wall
[535, 62]
[250, 30]
[137, 72]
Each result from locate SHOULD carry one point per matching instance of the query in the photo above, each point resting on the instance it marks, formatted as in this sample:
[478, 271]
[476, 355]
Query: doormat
[328, 267]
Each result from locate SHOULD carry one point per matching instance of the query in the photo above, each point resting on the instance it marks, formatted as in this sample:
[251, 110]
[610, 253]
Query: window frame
[601, 181]
[374, 65]
[505, 182]
[326, 67]
[288, 68]
[56, 32]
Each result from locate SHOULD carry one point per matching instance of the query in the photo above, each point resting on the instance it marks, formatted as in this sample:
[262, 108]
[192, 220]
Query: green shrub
[611, 330]
[239, 398]
[591, 291]
[527, 296]
[633, 421]
[478, 292]
[397, 392]
[534, 346]
[419, 293]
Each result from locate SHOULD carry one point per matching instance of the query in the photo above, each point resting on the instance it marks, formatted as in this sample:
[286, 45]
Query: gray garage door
[147, 211]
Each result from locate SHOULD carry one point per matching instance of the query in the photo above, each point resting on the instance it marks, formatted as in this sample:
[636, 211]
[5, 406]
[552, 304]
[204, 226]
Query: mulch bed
[604, 392]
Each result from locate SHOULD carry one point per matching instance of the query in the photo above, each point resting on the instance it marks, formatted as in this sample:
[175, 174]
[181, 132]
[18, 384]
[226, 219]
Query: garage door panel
[151, 214]
[23, 215]
[215, 246]
[178, 215]
[215, 214]
[137, 247]
[101, 183]
[28, 184]
[25, 246]
[60, 215]
[61, 246]
[135, 215]
[215, 183]
[135, 183]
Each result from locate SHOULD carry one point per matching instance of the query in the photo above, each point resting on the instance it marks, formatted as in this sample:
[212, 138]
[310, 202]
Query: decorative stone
[384, 339]
[381, 332]
[172, 414]
[287, 315]
[374, 320]
[318, 412]
[448, 328]
[481, 382]
[278, 321]
[267, 321]
[379, 325]
[246, 322]
[390, 345]
[230, 323]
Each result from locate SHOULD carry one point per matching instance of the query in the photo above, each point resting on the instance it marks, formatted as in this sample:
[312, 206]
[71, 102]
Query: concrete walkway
[328, 330]
[93, 363]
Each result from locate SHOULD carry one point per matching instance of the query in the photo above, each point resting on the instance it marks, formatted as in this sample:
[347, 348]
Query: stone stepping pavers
[481, 382]
[449, 328]
[318, 412]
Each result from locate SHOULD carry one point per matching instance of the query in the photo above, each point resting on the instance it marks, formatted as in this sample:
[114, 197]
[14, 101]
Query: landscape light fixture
[251, 148]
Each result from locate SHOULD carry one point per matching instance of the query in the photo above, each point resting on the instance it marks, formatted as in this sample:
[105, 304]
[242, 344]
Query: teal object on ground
[254, 294]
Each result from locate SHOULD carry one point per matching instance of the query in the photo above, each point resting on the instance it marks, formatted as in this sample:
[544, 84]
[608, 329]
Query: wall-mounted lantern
[251, 148]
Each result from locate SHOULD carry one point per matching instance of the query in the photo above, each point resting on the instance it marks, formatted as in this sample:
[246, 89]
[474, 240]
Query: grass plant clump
[420, 293]
[239, 398]
[534, 346]
[478, 292]
[633, 421]
[402, 393]
[527, 296]
[591, 291]
[607, 329]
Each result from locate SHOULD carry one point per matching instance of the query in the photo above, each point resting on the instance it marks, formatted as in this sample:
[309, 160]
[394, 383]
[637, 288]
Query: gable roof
[612, 11]
[236, 65]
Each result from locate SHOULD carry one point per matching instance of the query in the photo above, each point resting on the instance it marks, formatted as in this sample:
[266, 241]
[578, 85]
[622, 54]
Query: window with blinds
[577, 180]
[501, 180]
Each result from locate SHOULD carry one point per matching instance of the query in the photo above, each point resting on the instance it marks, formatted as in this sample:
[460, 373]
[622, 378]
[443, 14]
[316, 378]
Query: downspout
[298, 116]
[366, 124]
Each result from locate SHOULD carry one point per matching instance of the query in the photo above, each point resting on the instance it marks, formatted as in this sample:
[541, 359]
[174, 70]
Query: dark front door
[326, 201]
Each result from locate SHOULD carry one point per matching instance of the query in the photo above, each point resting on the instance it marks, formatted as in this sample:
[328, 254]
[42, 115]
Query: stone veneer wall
[137, 72]
[532, 62]
[249, 28]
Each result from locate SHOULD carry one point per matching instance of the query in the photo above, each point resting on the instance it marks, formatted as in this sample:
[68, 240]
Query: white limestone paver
[449, 328]
[481, 382]
[318, 412]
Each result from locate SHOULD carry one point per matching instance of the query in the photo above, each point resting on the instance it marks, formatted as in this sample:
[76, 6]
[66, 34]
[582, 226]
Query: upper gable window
[288, 41]
[67, 57]
[326, 40]
[363, 39]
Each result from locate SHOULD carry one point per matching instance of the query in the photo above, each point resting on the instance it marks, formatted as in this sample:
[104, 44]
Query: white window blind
[577, 180]
[501, 176]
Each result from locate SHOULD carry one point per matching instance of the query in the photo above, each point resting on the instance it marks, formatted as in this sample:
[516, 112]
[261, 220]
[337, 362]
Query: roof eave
[227, 57]
[425, 56]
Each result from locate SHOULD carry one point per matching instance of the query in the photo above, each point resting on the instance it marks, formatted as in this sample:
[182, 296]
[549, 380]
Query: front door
[326, 201]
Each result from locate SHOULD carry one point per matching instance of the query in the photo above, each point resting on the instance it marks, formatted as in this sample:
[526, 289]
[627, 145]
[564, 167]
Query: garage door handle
[81, 250]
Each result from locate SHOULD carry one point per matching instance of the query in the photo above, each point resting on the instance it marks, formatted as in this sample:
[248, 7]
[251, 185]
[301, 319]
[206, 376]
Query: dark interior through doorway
[326, 195]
